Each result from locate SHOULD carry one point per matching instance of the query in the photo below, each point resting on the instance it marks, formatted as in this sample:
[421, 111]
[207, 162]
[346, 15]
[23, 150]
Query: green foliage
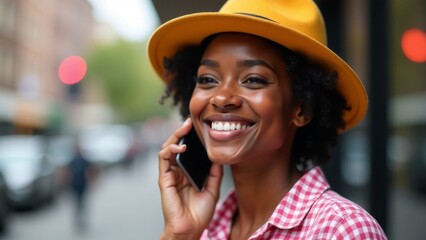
[130, 85]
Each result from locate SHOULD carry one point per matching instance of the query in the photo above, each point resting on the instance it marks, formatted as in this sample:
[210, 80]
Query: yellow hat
[295, 24]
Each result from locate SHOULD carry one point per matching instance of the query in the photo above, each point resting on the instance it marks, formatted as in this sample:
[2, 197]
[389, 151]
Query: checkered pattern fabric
[310, 210]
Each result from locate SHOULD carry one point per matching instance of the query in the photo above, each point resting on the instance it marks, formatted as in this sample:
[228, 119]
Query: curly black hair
[312, 86]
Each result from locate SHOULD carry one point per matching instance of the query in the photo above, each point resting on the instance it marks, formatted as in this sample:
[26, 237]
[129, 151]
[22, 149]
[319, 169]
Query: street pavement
[124, 203]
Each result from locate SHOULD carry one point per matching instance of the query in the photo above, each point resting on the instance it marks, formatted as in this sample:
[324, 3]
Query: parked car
[60, 151]
[28, 174]
[107, 144]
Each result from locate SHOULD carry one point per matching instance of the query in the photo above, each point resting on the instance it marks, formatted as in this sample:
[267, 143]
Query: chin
[225, 158]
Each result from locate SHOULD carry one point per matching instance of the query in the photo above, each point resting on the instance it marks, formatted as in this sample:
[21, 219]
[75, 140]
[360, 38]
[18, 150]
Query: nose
[226, 98]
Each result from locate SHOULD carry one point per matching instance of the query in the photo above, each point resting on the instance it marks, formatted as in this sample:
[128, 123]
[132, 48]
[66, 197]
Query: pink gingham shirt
[310, 210]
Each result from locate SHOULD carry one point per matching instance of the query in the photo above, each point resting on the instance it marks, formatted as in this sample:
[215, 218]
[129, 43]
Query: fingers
[179, 133]
[214, 180]
[167, 155]
[169, 149]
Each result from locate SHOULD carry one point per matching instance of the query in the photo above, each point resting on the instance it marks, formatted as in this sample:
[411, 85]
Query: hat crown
[302, 16]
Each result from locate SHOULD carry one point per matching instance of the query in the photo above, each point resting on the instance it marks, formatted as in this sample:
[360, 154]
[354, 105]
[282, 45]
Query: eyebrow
[255, 62]
[244, 63]
[210, 63]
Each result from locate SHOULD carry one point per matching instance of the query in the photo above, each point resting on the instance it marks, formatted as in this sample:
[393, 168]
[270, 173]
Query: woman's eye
[205, 80]
[255, 81]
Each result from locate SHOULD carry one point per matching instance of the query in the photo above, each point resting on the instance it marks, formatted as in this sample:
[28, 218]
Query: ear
[300, 118]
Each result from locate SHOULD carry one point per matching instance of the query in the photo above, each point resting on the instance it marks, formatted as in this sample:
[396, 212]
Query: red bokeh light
[72, 70]
[413, 45]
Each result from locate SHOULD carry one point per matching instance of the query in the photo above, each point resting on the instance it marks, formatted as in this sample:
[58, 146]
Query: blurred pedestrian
[82, 173]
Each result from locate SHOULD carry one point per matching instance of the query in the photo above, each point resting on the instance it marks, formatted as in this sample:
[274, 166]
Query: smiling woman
[244, 86]
[269, 101]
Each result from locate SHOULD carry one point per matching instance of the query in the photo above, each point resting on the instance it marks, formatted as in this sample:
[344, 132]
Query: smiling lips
[228, 126]
[223, 131]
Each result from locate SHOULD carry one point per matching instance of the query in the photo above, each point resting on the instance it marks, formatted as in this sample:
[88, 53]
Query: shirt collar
[220, 226]
[289, 213]
[296, 203]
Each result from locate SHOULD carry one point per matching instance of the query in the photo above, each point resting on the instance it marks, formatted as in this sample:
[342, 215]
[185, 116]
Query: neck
[259, 191]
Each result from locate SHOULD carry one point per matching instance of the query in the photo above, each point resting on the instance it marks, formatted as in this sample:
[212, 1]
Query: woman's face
[242, 105]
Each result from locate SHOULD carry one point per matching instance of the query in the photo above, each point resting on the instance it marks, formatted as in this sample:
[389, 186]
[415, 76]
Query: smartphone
[194, 162]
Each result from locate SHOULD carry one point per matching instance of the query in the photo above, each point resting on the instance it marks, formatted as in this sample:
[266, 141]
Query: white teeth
[227, 126]
[218, 126]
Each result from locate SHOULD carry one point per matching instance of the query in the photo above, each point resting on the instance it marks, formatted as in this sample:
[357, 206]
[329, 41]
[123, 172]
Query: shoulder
[336, 217]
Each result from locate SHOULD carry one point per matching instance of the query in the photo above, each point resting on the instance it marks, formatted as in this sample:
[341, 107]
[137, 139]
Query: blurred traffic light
[413, 44]
[72, 70]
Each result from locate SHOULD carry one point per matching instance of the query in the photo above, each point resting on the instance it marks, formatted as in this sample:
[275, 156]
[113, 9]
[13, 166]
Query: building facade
[35, 36]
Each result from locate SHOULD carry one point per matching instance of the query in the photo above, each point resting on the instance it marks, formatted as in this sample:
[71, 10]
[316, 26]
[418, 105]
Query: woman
[267, 97]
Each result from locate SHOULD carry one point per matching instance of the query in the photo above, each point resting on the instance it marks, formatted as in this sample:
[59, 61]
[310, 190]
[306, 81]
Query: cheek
[197, 103]
[273, 106]
[192, 105]
[276, 116]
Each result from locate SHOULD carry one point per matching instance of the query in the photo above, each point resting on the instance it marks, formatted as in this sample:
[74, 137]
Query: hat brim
[193, 28]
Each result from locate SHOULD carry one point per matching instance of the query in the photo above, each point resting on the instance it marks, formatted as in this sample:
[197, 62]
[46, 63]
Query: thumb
[214, 180]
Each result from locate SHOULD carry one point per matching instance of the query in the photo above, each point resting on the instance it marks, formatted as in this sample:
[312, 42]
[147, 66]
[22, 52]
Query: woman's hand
[187, 211]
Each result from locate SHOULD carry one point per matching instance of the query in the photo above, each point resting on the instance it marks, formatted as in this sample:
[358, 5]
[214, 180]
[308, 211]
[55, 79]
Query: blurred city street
[124, 203]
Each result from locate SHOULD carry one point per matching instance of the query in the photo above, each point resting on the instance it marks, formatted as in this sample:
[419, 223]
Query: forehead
[242, 42]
